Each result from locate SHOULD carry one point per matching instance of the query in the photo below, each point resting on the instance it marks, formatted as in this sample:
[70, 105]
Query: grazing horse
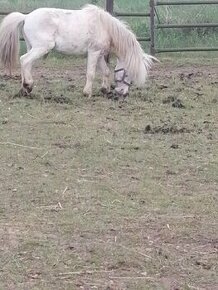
[90, 30]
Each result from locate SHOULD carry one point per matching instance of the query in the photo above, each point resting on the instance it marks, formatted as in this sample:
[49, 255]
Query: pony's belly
[69, 40]
[70, 47]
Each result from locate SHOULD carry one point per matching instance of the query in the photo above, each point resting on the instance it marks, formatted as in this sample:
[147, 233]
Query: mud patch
[176, 103]
[165, 129]
[22, 94]
[6, 77]
[58, 99]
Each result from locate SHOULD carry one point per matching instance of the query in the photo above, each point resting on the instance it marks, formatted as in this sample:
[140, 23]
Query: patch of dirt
[10, 77]
[176, 103]
[62, 99]
[185, 72]
[165, 129]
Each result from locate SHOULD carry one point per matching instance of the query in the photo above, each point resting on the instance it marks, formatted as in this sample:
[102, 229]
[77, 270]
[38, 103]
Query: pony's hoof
[24, 92]
[113, 86]
[20, 94]
[104, 91]
[116, 97]
[87, 94]
[110, 95]
[27, 88]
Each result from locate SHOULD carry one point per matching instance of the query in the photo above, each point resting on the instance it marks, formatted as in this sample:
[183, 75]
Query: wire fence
[165, 19]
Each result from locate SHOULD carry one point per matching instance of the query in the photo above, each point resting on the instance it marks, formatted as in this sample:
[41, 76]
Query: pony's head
[122, 81]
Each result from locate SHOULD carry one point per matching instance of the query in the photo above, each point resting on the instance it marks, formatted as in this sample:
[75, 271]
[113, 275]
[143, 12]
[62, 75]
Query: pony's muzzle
[120, 94]
[27, 88]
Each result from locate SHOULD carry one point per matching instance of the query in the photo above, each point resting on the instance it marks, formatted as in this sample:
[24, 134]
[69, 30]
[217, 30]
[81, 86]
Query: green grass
[91, 198]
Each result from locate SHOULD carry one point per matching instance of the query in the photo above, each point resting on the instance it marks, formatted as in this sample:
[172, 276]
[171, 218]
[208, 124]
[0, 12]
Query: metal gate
[155, 26]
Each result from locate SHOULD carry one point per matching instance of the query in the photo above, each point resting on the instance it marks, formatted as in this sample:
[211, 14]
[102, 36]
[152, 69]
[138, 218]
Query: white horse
[90, 30]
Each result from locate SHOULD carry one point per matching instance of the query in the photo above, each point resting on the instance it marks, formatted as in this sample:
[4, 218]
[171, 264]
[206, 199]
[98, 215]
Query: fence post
[110, 9]
[110, 6]
[152, 15]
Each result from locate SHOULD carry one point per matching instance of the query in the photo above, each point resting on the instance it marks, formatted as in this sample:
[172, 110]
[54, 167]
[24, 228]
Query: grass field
[98, 194]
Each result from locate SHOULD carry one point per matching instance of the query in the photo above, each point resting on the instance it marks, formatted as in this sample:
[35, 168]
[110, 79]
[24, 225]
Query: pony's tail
[127, 48]
[9, 39]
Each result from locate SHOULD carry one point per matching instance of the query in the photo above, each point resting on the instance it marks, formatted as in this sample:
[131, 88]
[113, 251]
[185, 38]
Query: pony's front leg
[105, 87]
[93, 57]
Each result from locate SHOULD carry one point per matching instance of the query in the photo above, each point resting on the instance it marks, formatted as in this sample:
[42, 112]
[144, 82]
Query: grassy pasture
[97, 194]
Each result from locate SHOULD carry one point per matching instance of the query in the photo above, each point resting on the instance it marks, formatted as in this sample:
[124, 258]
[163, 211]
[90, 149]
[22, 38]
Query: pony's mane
[123, 41]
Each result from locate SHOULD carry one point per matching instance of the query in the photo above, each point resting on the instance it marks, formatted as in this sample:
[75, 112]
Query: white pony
[90, 30]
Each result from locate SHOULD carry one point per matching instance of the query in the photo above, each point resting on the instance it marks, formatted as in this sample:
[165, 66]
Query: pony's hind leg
[93, 57]
[28, 45]
[27, 61]
[105, 87]
[28, 48]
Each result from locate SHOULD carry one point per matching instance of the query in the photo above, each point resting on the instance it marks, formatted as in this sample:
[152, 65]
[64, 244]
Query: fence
[154, 26]
[152, 15]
